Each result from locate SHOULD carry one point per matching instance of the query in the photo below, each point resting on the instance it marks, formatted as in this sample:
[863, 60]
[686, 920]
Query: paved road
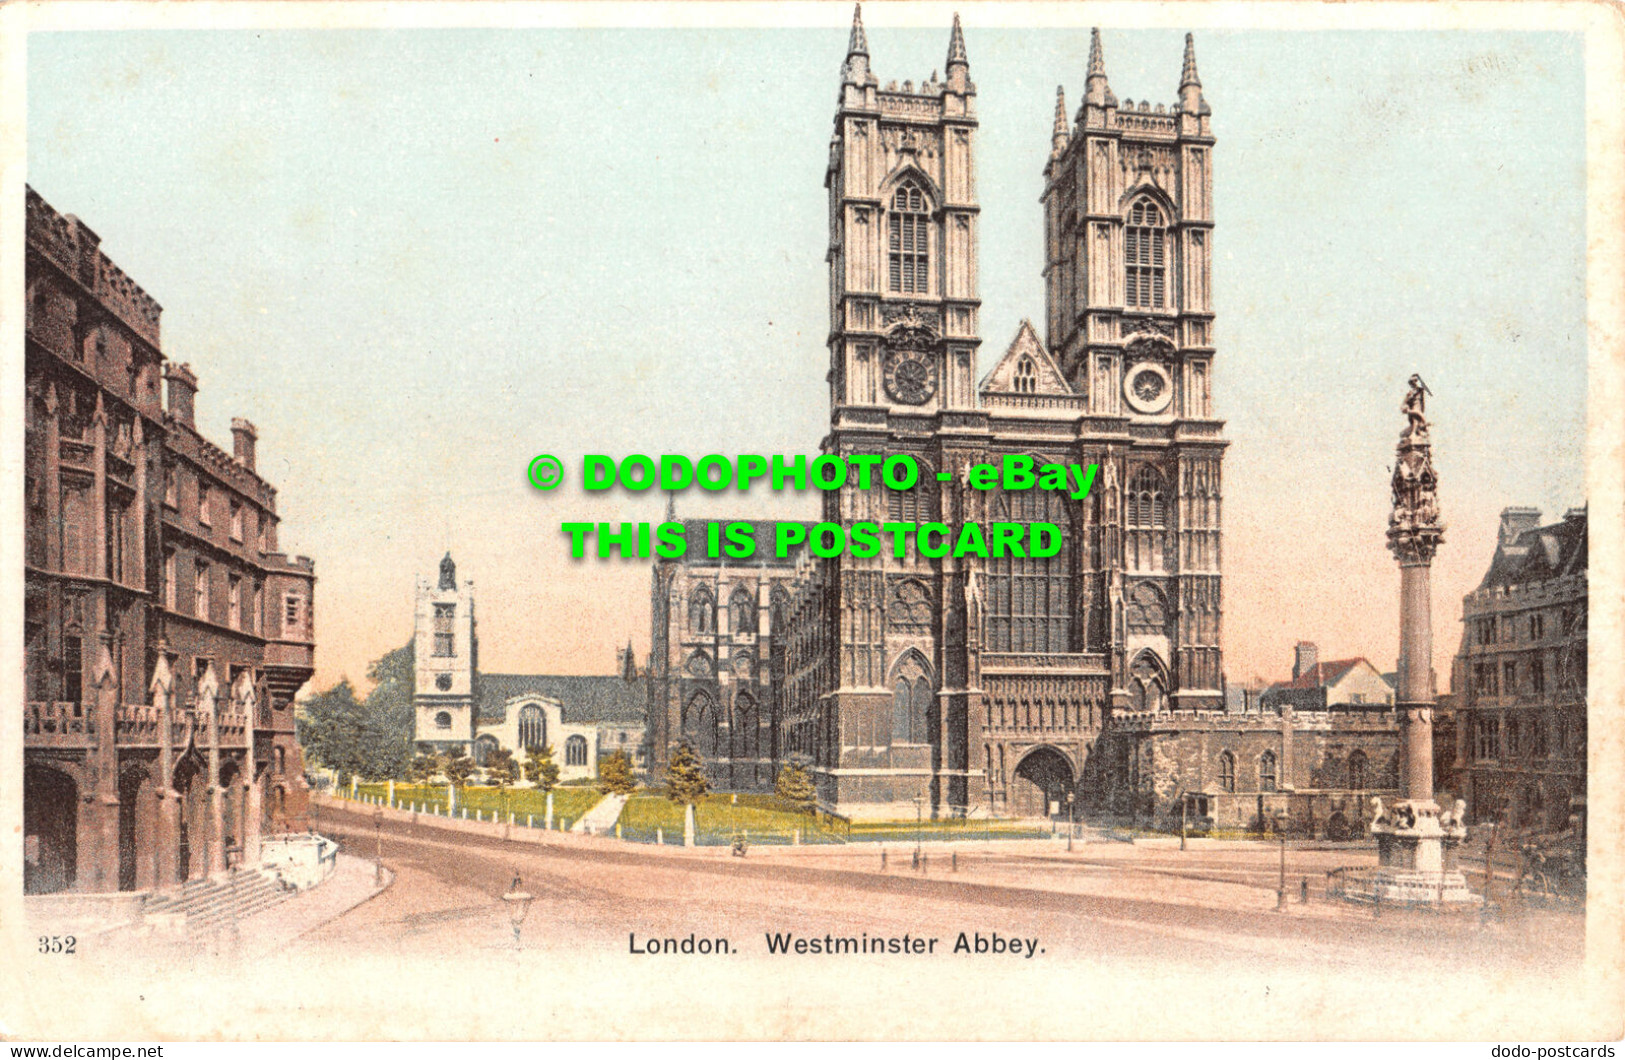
[1147, 912]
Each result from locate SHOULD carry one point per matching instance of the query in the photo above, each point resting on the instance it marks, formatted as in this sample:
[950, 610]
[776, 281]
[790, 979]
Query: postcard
[772, 522]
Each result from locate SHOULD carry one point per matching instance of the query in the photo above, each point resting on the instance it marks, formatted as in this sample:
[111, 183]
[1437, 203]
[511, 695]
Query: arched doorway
[1040, 785]
[484, 747]
[192, 839]
[50, 830]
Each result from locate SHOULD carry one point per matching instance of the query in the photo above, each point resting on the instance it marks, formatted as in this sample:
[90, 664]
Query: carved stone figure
[1416, 405]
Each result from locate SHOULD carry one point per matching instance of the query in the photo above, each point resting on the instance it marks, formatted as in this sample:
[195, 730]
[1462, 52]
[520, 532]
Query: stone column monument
[1412, 835]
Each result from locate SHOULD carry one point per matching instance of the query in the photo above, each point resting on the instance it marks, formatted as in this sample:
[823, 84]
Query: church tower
[1128, 210]
[446, 652]
[902, 248]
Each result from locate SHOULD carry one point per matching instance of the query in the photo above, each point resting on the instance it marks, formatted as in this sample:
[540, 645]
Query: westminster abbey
[984, 686]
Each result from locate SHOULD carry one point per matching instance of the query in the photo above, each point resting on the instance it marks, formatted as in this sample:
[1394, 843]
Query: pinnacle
[859, 44]
[956, 45]
[1060, 111]
[1188, 75]
[1097, 62]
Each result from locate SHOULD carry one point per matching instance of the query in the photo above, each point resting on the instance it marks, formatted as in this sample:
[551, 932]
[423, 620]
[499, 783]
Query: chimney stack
[243, 436]
[1307, 657]
[182, 392]
[1515, 521]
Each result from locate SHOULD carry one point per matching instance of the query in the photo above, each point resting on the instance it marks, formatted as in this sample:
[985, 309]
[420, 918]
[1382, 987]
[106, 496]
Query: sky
[418, 258]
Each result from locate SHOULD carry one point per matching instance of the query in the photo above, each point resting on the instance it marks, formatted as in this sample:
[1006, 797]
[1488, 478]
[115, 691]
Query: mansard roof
[587, 700]
[1002, 378]
[1541, 554]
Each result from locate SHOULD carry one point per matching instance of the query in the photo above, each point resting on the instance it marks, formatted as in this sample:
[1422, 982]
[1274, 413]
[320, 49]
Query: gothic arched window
[532, 727]
[1026, 376]
[1359, 771]
[575, 751]
[910, 257]
[1266, 771]
[702, 612]
[484, 748]
[1145, 504]
[742, 605]
[1027, 605]
[911, 705]
[442, 720]
[1144, 239]
[1227, 771]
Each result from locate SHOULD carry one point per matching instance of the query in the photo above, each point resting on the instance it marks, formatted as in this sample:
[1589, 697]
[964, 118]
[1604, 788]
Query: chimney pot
[182, 392]
[243, 436]
[1306, 656]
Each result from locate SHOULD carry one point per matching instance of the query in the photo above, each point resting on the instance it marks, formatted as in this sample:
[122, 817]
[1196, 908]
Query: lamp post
[378, 847]
[1280, 892]
[518, 903]
[1071, 821]
[919, 826]
[1184, 817]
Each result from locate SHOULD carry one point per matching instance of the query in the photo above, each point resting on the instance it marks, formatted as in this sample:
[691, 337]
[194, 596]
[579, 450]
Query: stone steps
[211, 903]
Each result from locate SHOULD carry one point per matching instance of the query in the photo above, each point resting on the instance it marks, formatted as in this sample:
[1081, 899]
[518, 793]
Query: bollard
[796, 839]
[955, 865]
[882, 859]
[660, 837]
[924, 860]
[530, 820]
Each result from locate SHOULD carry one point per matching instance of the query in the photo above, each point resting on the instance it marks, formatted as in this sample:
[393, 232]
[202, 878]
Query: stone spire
[855, 71]
[859, 44]
[1190, 86]
[1097, 92]
[958, 68]
[1062, 134]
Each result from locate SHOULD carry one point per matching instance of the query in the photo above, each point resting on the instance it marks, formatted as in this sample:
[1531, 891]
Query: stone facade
[1319, 767]
[1520, 677]
[984, 685]
[165, 635]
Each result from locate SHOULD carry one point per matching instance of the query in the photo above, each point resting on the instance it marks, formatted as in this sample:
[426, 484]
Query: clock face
[1148, 387]
[911, 377]
[443, 682]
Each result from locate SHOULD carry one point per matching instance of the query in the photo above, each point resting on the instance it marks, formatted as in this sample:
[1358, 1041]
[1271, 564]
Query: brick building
[165, 635]
[1520, 677]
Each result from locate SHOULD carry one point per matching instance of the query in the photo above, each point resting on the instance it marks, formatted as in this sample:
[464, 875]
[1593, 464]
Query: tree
[615, 774]
[685, 776]
[501, 768]
[540, 769]
[457, 767]
[423, 768]
[795, 786]
[371, 737]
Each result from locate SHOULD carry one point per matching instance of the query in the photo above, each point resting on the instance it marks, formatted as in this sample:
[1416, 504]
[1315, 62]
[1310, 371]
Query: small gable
[1025, 368]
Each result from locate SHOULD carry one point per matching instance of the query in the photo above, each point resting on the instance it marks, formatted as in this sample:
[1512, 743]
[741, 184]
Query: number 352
[57, 944]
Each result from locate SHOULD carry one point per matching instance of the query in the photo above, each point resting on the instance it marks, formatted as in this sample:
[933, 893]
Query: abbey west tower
[971, 683]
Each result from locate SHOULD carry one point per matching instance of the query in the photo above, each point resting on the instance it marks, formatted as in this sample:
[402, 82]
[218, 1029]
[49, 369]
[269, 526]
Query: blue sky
[417, 258]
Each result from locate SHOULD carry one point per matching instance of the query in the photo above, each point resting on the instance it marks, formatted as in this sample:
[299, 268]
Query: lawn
[718, 818]
[569, 803]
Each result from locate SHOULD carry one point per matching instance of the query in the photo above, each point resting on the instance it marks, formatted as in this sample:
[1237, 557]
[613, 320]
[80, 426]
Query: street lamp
[1071, 821]
[919, 825]
[1280, 891]
[518, 903]
[378, 847]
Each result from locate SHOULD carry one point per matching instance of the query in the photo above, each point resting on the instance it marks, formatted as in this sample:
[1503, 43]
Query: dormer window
[910, 254]
[1144, 240]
